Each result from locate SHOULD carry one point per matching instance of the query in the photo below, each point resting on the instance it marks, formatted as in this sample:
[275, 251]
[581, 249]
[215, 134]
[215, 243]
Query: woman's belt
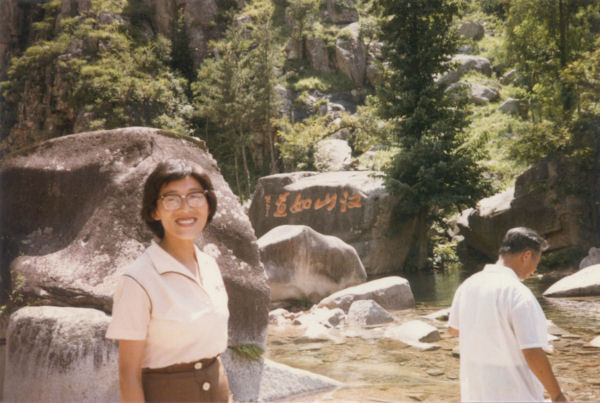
[189, 366]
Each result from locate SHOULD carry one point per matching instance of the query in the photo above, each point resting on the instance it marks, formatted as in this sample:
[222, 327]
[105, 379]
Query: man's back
[497, 316]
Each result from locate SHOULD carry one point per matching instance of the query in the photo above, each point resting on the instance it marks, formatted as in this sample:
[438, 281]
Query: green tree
[436, 170]
[235, 93]
[90, 73]
[542, 38]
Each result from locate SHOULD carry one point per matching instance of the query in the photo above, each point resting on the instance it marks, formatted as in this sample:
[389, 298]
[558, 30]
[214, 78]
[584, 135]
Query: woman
[170, 308]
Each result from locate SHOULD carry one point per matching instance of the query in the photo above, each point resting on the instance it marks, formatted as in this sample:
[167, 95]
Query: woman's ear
[155, 215]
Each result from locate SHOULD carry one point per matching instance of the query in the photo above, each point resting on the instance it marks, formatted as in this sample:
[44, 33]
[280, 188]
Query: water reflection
[436, 289]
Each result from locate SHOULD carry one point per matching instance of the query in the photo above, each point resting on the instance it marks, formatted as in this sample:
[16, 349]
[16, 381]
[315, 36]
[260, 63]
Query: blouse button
[206, 386]
[198, 365]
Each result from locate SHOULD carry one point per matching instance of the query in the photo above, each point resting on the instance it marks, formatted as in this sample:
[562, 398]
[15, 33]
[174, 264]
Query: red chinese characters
[345, 200]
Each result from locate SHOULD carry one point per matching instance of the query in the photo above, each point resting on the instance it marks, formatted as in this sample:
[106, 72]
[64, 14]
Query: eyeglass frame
[183, 198]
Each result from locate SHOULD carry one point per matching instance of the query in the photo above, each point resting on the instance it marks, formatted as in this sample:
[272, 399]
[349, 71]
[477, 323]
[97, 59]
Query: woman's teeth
[185, 221]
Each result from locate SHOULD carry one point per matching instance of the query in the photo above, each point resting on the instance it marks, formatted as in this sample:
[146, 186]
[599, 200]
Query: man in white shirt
[502, 329]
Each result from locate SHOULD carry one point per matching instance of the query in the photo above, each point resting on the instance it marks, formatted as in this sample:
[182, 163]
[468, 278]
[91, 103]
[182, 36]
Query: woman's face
[183, 222]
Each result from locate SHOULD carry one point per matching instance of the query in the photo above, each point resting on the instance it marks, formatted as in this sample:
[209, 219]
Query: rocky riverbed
[375, 368]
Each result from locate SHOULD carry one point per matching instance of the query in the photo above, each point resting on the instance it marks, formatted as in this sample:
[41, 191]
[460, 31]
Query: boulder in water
[584, 283]
[392, 293]
[301, 263]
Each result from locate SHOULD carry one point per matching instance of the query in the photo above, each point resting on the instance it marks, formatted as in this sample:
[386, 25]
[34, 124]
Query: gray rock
[584, 283]
[351, 56]
[514, 106]
[415, 333]
[266, 380]
[333, 155]
[352, 205]
[342, 11]
[301, 263]
[372, 74]
[392, 293]
[316, 51]
[592, 258]
[368, 312]
[54, 355]
[75, 222]
[509, 77]
[471, 30]
[293, 49]
[465, 64]
[536, 203]
[482, 94]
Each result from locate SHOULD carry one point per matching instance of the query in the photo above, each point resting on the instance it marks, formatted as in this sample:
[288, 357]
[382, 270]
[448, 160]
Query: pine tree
[436, 170]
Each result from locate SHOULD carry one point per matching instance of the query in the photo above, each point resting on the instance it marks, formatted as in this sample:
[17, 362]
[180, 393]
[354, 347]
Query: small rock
[456, 352]
[595, 342]
[441, 315]
[452, 377]
[435, 372]
[368, 312]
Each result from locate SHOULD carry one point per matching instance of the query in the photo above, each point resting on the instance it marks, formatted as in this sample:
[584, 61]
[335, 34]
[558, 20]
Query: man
[502, 329]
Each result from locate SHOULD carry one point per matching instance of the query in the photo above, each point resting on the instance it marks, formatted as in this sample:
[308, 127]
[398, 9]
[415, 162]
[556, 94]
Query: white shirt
[182, 318]
[497, 316]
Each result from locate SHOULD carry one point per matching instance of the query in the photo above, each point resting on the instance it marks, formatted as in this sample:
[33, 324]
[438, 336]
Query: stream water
[373, 368]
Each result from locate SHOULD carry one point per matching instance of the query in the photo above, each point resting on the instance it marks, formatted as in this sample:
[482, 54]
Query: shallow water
[377, 369]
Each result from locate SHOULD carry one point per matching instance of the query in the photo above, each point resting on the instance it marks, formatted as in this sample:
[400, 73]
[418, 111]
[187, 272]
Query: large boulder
[301, 263]
[584, 283]
[543, 199]
[342, 11]
[514, 106]
[471, 30]
[592, 258]
[354, 206]
[464, 64]
[368, 313]
[351, 55]
[391, 293]
[333, 155]
[60, 354]
[318, 56]
[482, 94]
[74, 221]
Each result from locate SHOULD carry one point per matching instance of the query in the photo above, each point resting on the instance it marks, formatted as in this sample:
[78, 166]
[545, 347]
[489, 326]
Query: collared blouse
[183, 318]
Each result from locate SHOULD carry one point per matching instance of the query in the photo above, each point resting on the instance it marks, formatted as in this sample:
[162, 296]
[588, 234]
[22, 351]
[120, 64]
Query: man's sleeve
[529, 324]
[131, 311]
[453, 318]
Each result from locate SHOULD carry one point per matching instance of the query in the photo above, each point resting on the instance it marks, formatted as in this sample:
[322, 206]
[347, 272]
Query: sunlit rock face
[554, 197]
[351, 205]
[301, 263]
[584, 283]
[70, 218]
[53, 351]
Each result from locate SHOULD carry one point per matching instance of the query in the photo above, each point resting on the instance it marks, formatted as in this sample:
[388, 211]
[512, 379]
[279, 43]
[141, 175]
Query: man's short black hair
[520, 239]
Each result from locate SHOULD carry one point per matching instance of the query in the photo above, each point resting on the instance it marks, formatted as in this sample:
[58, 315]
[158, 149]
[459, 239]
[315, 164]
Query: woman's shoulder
[139, 267]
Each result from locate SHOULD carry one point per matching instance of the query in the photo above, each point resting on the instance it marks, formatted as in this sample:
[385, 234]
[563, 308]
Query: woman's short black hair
[166, 172]
[520, 239]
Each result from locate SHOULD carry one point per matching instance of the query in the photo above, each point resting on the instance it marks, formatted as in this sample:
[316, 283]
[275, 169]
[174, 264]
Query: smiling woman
[170, 309]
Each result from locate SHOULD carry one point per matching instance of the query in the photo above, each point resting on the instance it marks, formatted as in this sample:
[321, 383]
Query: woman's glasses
[174, 201]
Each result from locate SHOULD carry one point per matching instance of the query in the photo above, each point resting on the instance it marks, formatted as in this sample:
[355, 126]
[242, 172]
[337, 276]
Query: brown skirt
[199, 381]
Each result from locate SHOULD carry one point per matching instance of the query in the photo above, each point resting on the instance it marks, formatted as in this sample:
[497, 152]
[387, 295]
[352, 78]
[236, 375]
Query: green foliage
[251, 352]
[298, 142]
[436, 169]
[16, 297]
[102, 77]
[235, 94]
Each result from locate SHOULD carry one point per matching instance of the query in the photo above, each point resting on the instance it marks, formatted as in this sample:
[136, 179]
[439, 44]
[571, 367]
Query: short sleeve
[131, 311]
[453, 318]
[529, 324]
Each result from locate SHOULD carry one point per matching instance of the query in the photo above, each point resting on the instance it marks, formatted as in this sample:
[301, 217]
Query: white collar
[164, 262]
